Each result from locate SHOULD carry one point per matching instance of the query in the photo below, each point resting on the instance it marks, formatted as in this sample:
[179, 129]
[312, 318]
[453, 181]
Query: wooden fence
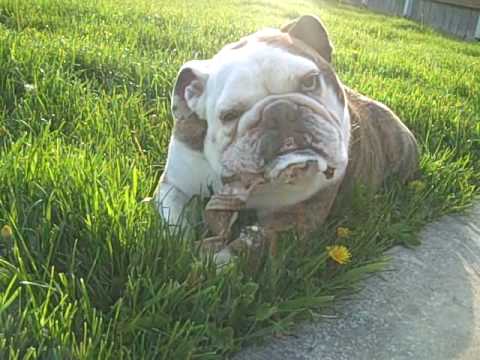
[457, 17]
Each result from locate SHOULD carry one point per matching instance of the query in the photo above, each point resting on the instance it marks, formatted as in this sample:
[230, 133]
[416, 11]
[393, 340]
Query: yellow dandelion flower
[339, 253]
[416, 185]
[6, 232]
[343, 232]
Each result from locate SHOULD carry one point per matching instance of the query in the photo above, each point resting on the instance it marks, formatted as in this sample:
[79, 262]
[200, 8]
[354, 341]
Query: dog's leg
[187, 173]
[170, 202]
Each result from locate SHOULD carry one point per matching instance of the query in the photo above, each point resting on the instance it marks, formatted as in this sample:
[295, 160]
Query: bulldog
[267, 125]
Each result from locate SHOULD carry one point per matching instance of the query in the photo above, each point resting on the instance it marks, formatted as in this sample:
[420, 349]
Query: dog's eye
[310, 82]
[230, 115]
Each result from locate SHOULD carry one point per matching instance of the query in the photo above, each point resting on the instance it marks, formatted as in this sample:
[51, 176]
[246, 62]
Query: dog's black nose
[279, 122]
[280, 114]
[270, 144]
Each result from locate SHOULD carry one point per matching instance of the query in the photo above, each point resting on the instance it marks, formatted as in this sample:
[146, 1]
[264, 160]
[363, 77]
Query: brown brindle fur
[189, 129]
[191, 133]
[381, 145]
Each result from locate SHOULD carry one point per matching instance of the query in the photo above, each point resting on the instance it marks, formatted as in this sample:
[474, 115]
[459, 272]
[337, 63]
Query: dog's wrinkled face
[268, 105]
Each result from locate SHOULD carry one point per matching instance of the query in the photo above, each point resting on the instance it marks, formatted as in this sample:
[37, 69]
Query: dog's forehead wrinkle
[239, 97]
[231, 105]
[233, 75]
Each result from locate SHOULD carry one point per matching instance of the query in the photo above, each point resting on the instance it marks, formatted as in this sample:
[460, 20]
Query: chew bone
[223, 209]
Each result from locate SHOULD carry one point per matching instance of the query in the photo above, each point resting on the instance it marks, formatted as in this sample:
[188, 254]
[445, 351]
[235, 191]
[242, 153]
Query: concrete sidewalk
[427, 308]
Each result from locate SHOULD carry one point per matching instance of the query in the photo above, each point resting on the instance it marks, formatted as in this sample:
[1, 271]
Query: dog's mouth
[292, 164]
[297, 158]
[287, 168]
[276, 158]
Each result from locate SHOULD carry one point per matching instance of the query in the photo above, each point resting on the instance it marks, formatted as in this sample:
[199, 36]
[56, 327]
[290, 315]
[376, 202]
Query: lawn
[88, 270]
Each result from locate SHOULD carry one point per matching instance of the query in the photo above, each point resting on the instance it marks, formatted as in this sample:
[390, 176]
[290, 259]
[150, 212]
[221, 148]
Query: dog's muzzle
[280, 128]
[280, 145]
[286, 141]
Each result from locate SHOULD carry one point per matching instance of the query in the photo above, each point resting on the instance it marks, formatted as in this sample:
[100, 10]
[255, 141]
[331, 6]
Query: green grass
[91, 272]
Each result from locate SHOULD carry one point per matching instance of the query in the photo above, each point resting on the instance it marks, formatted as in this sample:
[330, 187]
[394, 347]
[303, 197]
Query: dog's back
[381, 145]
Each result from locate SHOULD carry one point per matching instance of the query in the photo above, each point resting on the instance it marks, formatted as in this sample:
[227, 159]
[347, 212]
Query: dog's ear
[189, 88]
[310, 30]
